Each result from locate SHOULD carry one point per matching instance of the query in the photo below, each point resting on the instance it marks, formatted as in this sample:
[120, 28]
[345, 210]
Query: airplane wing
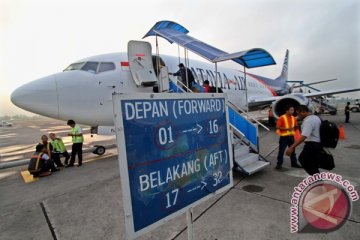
[302, 84]
[330, 92]
[265, 100]
[262, 100]
[297, 97]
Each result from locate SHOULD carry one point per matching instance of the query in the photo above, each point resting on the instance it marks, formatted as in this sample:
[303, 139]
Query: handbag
[326, 160]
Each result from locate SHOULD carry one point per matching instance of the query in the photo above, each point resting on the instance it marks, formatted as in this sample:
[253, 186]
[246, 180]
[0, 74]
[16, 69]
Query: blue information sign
[173, 152]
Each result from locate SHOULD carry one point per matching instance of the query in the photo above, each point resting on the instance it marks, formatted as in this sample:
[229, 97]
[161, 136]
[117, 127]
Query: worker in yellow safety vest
[77, 140]
[58, 148]
[285, 128]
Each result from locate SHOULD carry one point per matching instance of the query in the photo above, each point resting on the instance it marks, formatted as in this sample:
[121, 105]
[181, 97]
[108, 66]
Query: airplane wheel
[100, 150]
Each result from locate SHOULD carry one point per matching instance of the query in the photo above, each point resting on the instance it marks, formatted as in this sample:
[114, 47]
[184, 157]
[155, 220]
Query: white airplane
[83, 91]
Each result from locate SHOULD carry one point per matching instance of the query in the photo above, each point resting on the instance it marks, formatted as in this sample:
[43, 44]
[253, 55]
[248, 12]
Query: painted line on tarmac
[264, 196]
[52, 230]
[203, 212]
[276, 147]
[355, 126]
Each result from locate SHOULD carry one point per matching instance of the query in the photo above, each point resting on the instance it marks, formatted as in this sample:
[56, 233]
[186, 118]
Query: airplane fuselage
[86, 95]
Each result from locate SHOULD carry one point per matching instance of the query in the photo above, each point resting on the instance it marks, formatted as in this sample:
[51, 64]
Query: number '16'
[213, 127]
[165, 135]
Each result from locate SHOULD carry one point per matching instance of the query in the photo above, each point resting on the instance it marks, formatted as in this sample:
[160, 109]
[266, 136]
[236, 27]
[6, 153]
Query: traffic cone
[297, 134]
[341, 132]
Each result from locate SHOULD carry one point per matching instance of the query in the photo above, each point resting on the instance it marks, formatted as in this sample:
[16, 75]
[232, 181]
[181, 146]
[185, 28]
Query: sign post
[173, 154]
[190, 226]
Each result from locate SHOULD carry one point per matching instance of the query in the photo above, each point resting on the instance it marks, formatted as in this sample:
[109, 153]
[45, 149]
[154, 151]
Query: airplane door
[140, 63]
[164, 80]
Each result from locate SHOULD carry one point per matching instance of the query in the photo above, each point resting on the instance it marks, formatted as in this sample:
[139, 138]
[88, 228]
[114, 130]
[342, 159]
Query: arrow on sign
[198, 128]
[203, 184]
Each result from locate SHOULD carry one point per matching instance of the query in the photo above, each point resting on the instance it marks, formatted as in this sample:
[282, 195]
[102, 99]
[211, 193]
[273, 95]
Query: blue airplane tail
[284, 72]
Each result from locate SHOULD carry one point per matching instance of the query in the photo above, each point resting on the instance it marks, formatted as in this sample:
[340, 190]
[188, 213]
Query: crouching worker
[58, 148]
[40, 163]
[49, 149]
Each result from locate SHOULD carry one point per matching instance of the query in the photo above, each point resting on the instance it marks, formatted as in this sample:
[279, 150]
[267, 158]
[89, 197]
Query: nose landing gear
[99, 150]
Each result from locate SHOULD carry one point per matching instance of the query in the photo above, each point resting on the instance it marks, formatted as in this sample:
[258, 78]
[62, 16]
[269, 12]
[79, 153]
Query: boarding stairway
[325, 107]
[247, 158]
[245, 142]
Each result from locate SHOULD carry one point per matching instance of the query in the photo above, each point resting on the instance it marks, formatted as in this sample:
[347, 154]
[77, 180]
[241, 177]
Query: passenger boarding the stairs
[211, 89]
[187, 78]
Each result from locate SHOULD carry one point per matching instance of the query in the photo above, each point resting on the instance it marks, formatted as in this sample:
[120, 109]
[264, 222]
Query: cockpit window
[106, 66]
[74, 66]
[90, 67]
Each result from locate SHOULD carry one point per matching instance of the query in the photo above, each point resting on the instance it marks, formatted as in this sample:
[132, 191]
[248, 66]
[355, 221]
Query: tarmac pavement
[86, 202]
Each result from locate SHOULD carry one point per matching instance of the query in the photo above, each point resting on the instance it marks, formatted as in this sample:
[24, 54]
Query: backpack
[213, 89]
[329, 134]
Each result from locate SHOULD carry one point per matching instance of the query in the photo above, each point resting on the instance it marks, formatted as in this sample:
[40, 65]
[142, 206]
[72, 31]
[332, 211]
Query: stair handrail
[328, 106]
[178, 82]
[229, 103]
[236, 108]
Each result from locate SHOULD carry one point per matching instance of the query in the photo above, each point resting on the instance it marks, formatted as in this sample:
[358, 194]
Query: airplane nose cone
[39, 96]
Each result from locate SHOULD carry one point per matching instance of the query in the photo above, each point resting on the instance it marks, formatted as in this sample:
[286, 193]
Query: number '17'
[173, 194]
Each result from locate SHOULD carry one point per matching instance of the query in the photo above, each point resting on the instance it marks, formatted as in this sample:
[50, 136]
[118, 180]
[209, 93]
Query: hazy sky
[41, 37]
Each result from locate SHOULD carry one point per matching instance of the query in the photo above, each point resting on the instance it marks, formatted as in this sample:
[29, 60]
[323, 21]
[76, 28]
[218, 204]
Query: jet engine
[279, 106]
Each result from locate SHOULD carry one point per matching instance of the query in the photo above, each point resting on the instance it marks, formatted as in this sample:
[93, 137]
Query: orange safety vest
[286, 123]
[48, 149]
[35, 165]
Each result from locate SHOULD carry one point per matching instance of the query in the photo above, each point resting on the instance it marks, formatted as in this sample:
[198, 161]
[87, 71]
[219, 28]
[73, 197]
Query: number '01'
[165, 135]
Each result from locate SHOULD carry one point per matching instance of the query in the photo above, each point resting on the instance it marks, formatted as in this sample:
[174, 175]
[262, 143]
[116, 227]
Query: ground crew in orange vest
[285, 128]
[271, 118]
[40, 163]
[49, 149]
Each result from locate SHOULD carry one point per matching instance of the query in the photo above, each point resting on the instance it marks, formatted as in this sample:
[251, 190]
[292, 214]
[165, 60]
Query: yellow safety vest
[58, 145]
[76, 139]
[287, 132]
